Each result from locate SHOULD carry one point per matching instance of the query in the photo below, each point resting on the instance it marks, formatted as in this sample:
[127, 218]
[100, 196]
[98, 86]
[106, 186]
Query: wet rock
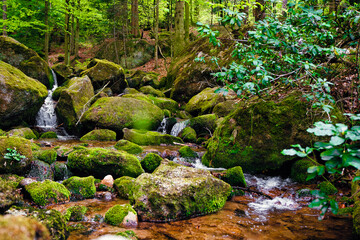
[204, 102]
[151, 91]
[143, 137]
[22, 132]
[49, 134]
[169, 154]
[47, 192]
[26, 181]
[235, 177]
[25, 59]
[188, 134]
[203, 124]
[100, 162]
[76, 213]
[48, 155]
[174, 192]
[72, 100]
[102, 71]
[99, 135]
[9, 194]
[124, 186]
[116, 113]
[21, 97]
[63, 72]
[40, 171]
[127, 146]
[22, 228]
[108, 181]
[121, 215]
[81, 187]
[12, 165]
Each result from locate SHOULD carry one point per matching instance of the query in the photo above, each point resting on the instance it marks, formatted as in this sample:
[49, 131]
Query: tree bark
[135, 18]
[47, 33]
[67, 34]
[156, 32]
[77, 30]
[179, 27]
[187, 22]
[4, 8]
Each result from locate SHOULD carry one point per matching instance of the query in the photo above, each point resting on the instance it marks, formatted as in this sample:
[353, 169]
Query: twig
[254, 191]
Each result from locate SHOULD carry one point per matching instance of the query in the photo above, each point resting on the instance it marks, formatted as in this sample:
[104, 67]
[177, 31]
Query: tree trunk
[72, 34]
[47, 33]
[77, 30]
[187, 22]
[4, 8]
[284, 7]
[67, 34]
[156, 32]
[135, 18]
[179, 27]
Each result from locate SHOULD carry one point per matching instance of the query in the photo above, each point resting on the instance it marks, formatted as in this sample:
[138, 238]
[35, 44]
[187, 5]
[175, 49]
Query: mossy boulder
[103, 71]
[235, 177]
[99, 135]
[224, 108]
[116, 113]
[81, 187]
[21, 97]
[124, 186]
[22, 132]
[145, 138]
[173, 192]
[75, 213]
[254, 135]
[100, 162]
[299, 170]
[48, 155]
[140, 78]
[63, 72]
[8, 191]
[355, 189]
[117, 214]
[150, 162]
[60, 171]
[356, 218]
[188, 134]
[40, 171]
[327, 188]
[203, 124]
[127, 146]
[187, 152]
[25, 59]
[49, 134]
[47, 192]
[23, 147]
[130, 90]
[161, 102]
[204, 102]
[2, 133]
[72, 100]
[151, 91]
[22, 228]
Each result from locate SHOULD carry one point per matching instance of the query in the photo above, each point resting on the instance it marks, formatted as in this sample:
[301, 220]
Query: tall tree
[77, 29]
[156, 32]
[47, 33]
[67, 33]
[135, 18]
[4, 8]
[187, 21]
[179, 27]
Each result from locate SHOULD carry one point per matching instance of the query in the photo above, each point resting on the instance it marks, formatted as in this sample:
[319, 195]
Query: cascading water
[162, 127]
[46, 117]
[178, 127]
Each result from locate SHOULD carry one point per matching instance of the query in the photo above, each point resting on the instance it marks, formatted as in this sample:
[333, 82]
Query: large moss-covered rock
[204, 102]
[144, 138]
[174, 192]
[23, 147]
[116, 113]
[100, 162]
[81, 188]
[188, 134]
[47, 155]
[161, 102]
[150, 162]
[22, 132]
[40, 171]
[75, 213]
[151, 91]
[127, 146]
[140, 78]
[49, 134]
[8, 191]
[235, 177]
[203, 124]
[299, 170]
[63, 72]
[25, 59]
[22, 228]
[224, 108]
[99, 135]
[356, 218]
[60, 171]
[117, 215]
[21, 97]
[253, 136]
[72, 100]
[43, 193]
[124, 186]
[102, 71]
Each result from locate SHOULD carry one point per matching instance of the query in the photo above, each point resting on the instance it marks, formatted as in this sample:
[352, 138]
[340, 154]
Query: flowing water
[178, 127]
[162, 127]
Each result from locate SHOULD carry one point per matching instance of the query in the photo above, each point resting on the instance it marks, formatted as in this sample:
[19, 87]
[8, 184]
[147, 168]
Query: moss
[144, 138]
[81, 188]
[355, 187]
[224, 108]
[40, 171]
[116, 214]
[22, 132]
[127, 146]
[99, 135]
[63, 72]
[327, 188]
[165, 103]
[2, 133]
[128, 234]
[299, 170]
[75, 213]
[22, 228]
[204, 102]
[43, 193]
[124, 186]
[9, 196]
[49, 155]
[150, 162]
[187, 152]
[235, 177]
[49, 134]
[60, 171]
[100, 162]
[188, 134]
[130, 91]
[152, 91]
[203, 124]
[356, 218]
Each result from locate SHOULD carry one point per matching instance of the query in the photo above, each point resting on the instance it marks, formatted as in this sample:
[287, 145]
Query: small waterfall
[178, 127]
[46, 117]
[162, 127]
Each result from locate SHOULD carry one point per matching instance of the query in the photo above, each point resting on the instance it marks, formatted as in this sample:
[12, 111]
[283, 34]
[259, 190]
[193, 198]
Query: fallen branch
[253, 191]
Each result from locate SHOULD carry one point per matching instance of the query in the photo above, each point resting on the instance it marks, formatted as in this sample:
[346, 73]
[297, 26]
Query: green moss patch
[81, 188]
[124, 186]
[116, 214]
[145, 138]
[47, 192]
[48, 155]
[127, 146]
[99, 135]
[150, 162]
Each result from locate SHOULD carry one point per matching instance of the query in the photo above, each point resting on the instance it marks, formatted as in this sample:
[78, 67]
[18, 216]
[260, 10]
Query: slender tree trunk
[67, 34]
[77, 31]
[135, 18]
[124, 18]
[187, 22]
[47, 33]
[72, 34]
[4, 8]
[179, 27]
[114, 32]
[156, 32]
[284, 7]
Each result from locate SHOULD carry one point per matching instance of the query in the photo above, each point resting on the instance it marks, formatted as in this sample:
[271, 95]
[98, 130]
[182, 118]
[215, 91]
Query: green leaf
[330, 154]
[316, 203]
[322, 129]
[336, 140]
[289, 152]
[357, 178]
[351, 160]
[322, 145]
